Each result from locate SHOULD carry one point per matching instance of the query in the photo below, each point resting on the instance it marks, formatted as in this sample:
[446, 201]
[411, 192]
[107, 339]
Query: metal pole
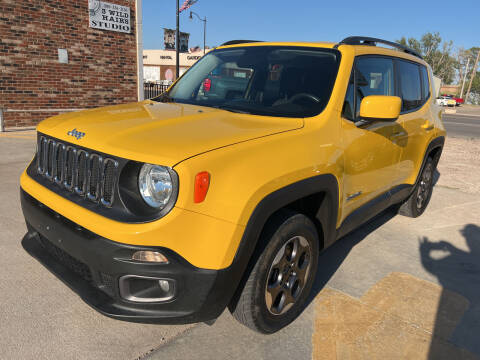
[204, 33]
[2, 124]
[139, 34]
[177, 55]
[464, 78]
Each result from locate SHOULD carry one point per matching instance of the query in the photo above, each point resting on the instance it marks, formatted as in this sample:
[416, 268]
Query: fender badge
[76, 134]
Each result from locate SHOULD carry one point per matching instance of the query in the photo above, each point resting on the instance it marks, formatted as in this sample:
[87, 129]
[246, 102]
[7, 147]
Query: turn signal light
[149, 256]
[202, 181]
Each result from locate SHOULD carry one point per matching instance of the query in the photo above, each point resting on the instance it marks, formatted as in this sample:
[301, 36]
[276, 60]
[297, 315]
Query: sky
[314, 20]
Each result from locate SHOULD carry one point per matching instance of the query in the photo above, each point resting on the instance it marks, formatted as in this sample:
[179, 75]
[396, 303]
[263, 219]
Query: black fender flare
[248, 251]
[436, 143]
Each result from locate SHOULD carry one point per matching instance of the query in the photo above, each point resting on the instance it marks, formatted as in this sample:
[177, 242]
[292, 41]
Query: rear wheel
[416, 204]
[277, 289]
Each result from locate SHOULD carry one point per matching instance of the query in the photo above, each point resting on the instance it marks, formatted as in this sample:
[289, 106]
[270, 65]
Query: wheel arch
[434, 150]
[316, 197]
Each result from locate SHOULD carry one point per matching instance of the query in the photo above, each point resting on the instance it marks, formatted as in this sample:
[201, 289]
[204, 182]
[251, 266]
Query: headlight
[155, 185]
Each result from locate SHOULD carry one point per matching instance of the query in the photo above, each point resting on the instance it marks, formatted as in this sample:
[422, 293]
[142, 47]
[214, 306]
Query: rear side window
[410, 85]
[425, 83]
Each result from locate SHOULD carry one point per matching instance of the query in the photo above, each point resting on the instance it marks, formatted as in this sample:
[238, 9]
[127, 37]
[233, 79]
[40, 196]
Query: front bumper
[92, 266]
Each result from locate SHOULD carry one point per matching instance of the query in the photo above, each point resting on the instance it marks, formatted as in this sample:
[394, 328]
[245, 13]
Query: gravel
[459, 166]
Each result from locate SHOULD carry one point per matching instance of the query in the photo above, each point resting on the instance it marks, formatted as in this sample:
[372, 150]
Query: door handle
[398, 134]
[428, 127]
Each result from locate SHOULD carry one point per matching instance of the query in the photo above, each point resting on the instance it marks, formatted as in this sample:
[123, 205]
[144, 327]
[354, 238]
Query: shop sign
[108, 16]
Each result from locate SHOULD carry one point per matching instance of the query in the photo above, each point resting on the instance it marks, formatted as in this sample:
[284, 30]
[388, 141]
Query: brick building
[35, 81]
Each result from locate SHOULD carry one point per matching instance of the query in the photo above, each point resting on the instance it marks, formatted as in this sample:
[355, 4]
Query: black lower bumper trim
[91, 266]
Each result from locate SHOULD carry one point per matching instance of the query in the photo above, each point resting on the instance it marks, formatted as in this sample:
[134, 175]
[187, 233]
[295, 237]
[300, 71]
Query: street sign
[108, 16]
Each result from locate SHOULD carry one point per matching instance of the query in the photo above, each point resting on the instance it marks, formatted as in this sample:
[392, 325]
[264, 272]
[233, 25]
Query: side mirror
[380, 107]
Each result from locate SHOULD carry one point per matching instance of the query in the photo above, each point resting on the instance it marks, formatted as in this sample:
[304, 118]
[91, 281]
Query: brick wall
[102, 68]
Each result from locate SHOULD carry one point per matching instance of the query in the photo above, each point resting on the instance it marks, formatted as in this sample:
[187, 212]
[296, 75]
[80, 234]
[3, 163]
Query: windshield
[261, 80]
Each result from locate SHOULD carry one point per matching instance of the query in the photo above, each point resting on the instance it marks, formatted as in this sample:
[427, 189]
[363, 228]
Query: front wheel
[278, 287]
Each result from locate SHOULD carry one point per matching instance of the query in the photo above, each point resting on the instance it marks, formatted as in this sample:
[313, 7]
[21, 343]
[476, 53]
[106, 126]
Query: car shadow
[457, 271]
[332, 258]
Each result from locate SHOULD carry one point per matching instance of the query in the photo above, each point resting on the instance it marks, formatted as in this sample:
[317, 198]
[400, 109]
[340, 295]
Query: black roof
[234, 42]
[365, 40]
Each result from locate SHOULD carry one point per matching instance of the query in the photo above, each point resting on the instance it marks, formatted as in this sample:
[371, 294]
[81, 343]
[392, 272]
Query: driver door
[371, 153]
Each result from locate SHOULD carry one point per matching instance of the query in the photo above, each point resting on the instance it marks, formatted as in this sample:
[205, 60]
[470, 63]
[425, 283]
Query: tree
[436, 53]
[474, 96]
[476, 84]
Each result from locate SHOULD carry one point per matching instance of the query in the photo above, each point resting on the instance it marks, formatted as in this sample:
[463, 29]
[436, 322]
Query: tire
[289, 264]
[417, 202]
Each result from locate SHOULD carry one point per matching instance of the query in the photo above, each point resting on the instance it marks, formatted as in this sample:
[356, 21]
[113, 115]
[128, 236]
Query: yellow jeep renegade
[222, 191]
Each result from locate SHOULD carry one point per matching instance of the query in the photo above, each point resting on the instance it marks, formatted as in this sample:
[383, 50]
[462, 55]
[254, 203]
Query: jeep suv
[172, 209]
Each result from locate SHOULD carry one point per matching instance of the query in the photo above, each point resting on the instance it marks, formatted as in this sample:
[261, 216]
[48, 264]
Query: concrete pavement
[395, 288]
[40, 318]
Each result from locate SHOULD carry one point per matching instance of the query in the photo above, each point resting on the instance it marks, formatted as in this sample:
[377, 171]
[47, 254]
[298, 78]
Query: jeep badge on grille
[76, 134]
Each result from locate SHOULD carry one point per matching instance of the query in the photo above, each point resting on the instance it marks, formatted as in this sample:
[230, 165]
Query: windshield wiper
[164, 98]
[231, 109]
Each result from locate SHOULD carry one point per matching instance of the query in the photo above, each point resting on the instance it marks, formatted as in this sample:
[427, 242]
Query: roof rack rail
[364, 40]
[235, 42]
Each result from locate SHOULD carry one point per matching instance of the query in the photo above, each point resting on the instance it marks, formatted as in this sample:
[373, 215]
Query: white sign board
[151, 73]
[108, 16]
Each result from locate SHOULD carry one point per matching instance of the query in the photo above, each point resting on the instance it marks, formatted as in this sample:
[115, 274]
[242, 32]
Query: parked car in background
[458, 101]
[446, 101]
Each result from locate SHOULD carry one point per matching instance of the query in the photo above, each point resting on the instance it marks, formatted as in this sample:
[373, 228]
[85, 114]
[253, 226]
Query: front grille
[66, 259]
[87, 174]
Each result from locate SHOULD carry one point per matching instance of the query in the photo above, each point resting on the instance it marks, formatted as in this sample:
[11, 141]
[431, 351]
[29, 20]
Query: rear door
[414, 89]
[371, 153]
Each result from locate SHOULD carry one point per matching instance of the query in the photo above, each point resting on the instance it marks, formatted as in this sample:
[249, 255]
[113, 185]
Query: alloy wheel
[424, 188]
[288, 275]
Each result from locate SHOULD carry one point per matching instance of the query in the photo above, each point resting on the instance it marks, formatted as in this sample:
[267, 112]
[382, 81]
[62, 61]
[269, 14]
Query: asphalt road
[395, 288]
[462, 125]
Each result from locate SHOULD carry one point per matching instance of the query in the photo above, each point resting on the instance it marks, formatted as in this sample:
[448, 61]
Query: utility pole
[464, 78]
[474, 72]
[177, 43]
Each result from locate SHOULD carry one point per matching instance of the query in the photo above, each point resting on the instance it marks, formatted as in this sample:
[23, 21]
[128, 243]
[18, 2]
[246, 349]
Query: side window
[373, 76]
[425, 83]
[410, 85]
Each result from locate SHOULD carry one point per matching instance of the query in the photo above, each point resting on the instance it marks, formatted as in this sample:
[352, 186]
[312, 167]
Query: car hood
[161, 133]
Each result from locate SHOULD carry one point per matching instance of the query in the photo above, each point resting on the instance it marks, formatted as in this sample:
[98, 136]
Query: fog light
[146, 289]
[149, 256]
[164, 285]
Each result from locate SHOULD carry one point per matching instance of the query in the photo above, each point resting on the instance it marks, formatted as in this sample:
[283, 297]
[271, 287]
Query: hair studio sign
[107, 16]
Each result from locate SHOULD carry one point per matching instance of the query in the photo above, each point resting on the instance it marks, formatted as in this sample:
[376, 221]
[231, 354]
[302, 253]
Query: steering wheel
[303, 95]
